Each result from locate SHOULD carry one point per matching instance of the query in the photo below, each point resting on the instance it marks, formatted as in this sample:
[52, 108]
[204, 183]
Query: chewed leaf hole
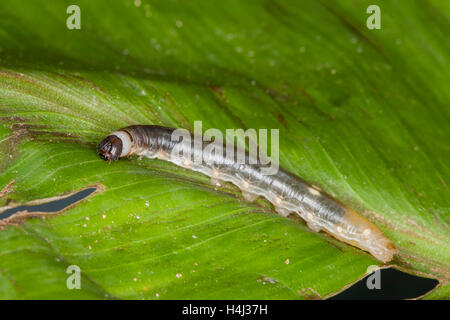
[45, 207]
[388, 284]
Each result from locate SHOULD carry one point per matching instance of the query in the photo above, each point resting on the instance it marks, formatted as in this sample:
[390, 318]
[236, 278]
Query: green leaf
[362, 113]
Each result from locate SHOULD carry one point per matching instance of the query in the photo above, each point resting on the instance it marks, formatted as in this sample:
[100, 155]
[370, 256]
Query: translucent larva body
[287, 192]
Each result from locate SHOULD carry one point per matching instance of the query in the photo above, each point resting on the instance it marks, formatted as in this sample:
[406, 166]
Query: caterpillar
[287, 192]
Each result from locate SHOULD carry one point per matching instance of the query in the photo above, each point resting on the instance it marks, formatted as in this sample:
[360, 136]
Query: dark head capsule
[110, 148]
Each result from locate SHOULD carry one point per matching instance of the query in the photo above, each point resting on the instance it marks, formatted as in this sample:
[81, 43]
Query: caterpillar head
[110, 148]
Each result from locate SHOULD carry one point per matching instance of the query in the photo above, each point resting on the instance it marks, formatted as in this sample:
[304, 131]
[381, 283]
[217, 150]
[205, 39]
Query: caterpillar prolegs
[287, 192]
